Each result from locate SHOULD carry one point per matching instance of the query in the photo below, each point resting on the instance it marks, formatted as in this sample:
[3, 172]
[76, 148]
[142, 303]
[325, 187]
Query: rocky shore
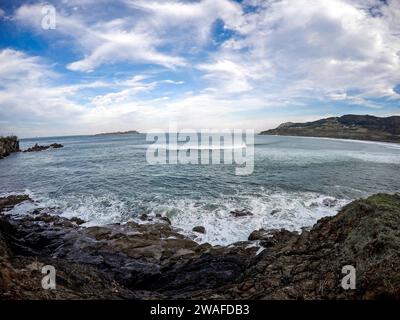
[8, 145]
[154, 261]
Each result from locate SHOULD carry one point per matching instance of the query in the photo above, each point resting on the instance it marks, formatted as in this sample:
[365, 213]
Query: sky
[104, 66]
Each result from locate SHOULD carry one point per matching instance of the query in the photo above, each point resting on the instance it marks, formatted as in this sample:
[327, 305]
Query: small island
[118, 133]
[357, 127]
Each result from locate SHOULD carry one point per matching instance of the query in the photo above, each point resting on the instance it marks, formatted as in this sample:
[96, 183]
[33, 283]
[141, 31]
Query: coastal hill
[117, 133]
[360, 127]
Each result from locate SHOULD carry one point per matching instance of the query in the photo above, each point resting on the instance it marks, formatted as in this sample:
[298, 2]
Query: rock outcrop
[37, 147]
[8, 145]
[360, 127]
[153, 261]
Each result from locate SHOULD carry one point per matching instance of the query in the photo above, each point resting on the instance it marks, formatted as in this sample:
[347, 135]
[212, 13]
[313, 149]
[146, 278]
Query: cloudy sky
[139, 64]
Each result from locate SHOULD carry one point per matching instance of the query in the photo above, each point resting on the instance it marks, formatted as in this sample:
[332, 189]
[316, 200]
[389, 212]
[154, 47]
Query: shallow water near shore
[296, 181]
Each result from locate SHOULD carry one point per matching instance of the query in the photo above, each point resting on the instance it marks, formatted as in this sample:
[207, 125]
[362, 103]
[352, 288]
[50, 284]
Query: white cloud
[280, 56]
[325, 46]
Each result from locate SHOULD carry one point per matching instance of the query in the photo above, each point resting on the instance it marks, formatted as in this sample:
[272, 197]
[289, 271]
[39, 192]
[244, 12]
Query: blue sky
[251, 64]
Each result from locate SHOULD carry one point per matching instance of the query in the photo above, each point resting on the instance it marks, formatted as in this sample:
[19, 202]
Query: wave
[271, 210]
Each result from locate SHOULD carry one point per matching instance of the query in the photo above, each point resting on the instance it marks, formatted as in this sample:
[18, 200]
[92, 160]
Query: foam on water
[271, 210]
[107, 180]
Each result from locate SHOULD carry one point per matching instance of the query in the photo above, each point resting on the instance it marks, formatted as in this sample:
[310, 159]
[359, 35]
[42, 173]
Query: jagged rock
[260, 234]
[37, 147]
[241, 213]
[275, 211]
[11, 201]
[8, 145]
[166, 219]
[199, 229]
[77, 221]
[329, 202]
[56, 145]
[153, 261]
[144, 217]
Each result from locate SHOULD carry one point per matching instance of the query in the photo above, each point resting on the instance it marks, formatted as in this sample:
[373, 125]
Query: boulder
[241, 213]
[199, 229]
[56, 145]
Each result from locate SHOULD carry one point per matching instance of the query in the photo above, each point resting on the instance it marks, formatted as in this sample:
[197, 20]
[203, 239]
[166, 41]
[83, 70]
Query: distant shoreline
[332, 138]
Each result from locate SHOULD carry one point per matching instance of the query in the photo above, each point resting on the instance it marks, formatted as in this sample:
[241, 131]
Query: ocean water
[106, 179]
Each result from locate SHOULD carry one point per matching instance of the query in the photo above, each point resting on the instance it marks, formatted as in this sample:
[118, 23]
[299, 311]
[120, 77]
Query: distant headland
[117, 133]
[357, 127]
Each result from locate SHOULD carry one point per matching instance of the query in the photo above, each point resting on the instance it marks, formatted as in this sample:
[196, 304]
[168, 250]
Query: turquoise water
[106, 179]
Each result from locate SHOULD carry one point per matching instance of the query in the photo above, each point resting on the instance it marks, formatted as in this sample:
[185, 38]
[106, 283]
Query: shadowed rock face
[8, 145]
[146, 261]
[362, 127]
[151, 261]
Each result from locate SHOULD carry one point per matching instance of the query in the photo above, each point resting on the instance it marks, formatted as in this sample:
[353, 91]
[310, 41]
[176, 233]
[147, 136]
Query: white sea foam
[274, 210]
[271, 210]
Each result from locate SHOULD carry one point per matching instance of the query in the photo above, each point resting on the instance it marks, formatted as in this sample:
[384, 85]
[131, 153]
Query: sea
[107, 179]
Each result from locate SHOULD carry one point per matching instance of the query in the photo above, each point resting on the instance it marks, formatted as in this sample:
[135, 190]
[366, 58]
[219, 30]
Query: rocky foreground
[153, 261]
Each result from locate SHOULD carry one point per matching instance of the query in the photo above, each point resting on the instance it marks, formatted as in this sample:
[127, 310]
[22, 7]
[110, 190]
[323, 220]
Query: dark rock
[8, 145]
[11, 201]
[153, 261]
[144, 217]
[199, 229]
[37, 147]
[77, 221]
[329, 202]
[56, 145]
[241, 213]
[166, 219]
[260, 235]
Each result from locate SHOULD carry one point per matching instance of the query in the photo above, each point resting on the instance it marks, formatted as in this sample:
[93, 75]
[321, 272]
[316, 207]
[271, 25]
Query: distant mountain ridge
[359, 127]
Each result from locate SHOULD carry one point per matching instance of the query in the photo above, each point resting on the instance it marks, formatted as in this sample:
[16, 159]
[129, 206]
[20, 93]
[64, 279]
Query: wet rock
[8, 145]
[37, 148]
[269, 238]
[11, 201]
[260, 235]
[241, 213]
[153, 261]
[56, 145]
[199, 229]
[329, 202]
[166, 219]
[144, 217]
[77, 221]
